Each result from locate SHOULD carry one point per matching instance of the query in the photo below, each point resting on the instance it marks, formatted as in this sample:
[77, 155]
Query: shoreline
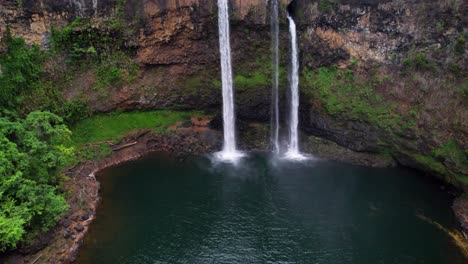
[62, 243]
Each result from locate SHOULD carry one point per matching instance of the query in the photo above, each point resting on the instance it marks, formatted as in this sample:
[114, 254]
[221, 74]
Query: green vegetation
[460, 45]
[80, 40]
[342, 92]
[431, 163]
[256, 79]
[114, 70]
[24, 87]
[418, 61]
[36, 145]
[113, 126]
[440, 26]
[452, 152]
[448, 153]
[463, 90]
[116, 22]
[258, 75]
[84, 45]
[326, 6]
[435, 162]
[21, 68]
[32, 152]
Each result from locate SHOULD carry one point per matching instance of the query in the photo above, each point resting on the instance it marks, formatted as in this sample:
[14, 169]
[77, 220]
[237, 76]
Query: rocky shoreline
[61, 245]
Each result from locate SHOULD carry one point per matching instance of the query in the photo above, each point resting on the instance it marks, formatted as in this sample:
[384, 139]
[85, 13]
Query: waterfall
[293, 147]
[79, 4]
[229, 152]
[274, 94]
[95, 6]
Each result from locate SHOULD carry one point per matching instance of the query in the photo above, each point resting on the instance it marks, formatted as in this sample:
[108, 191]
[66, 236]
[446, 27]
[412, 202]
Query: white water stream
[229, 152]
[293, 152]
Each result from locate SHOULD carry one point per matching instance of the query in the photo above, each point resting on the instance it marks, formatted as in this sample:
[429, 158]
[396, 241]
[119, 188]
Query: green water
[160, 210]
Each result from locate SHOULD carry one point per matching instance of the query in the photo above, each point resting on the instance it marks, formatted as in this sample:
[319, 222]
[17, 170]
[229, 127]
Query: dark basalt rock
[31, 247]
[79, 228]
[85, 217]
[66, 223]
[68, 234]
[353, 134]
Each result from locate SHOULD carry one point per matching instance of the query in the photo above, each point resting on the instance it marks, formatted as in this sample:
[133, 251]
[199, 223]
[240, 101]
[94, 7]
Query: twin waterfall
[293, 147]
[230, 152]
[275, 123]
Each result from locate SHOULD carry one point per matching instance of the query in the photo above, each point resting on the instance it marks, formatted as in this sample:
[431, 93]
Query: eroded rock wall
[412, 52]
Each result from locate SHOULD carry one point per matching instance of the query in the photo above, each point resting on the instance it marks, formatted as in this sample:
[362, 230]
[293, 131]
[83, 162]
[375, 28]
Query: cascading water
[95, 6]
[293, 147]
[274, 98]
[229, 152]
[79, 5]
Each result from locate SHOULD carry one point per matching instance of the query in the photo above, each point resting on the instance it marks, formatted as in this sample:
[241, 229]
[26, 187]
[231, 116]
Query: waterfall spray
[293, 147]
[229, 152]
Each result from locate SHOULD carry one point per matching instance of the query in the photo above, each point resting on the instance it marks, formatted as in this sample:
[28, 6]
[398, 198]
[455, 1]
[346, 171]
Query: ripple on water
[159, 210]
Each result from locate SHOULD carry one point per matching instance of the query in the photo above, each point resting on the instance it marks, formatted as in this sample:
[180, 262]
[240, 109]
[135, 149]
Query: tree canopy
[32, 152]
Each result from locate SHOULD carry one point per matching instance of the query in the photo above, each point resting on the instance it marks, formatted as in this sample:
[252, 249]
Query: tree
[20, 67]
[32, 152]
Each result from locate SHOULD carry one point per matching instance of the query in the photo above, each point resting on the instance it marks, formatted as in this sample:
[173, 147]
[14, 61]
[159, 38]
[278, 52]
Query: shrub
[460, 45]
[21, 67]
[326, 6]
[32, 152]
[418, 61]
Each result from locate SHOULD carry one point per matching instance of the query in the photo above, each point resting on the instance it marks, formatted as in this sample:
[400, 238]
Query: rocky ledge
[61, 244]
[460, 207]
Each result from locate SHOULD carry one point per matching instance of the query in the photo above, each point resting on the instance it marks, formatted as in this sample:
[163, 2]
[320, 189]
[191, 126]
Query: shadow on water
[160, 210]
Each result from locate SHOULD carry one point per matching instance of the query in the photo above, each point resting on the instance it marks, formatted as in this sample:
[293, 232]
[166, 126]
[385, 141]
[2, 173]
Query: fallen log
[125, 146]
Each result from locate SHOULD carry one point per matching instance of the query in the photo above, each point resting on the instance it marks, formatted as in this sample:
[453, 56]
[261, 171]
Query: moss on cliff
[350, 96]
[259, 73]
[21, 67]
[343, 93]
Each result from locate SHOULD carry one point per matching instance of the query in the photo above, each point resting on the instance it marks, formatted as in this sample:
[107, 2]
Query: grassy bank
[113, 126]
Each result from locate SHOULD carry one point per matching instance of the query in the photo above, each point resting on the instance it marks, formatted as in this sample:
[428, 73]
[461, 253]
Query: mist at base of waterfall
[163, 210]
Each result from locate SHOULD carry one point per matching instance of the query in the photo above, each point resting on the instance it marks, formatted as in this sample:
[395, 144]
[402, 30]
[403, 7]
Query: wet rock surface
[61, 244]
[460, 207]
[176, 47]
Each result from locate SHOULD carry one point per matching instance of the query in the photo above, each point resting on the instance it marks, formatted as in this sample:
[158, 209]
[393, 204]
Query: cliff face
[413, 54]
[383, 76]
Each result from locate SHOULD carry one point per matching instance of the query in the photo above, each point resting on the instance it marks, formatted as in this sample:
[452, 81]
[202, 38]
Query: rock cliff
[386, 77]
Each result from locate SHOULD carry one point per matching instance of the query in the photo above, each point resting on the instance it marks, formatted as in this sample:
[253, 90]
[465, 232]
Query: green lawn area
[115, 125]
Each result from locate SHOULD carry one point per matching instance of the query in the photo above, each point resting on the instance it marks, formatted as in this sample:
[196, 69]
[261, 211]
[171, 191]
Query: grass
[115, 125]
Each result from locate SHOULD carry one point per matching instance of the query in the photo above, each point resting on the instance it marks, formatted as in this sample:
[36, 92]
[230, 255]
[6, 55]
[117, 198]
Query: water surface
[160, 210]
